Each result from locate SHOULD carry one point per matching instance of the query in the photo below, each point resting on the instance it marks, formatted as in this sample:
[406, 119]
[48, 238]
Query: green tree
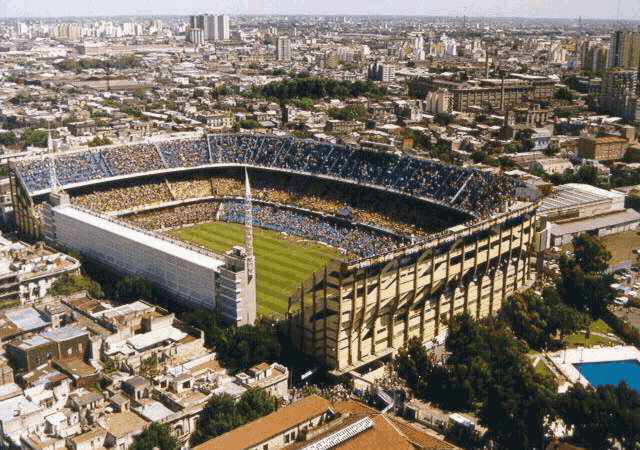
[157, 435]
[98, 141]
[602, 416]
[590, 253]
[443, 119]
[583, 281]
[219, 416]
[35, 138]
[256, 403]
[70, 283]
[564, 94]
[131, 288]
[249, 124]
[223, 414]
[518, 401]
[352, 112]
[245, 346]
[536, 319]
[8, 138]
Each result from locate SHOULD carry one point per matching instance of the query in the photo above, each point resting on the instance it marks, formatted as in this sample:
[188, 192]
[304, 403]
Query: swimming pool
[612, 372]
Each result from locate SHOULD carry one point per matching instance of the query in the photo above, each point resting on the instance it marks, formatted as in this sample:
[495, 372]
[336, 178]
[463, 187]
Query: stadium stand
[479, 193]
[178, 216]
[353, 239]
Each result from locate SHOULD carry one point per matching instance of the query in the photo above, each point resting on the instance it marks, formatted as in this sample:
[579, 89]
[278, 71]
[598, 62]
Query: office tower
[618, 94]
[223, 27]
[624, 50]
[214, 27]
[211, 30]
[381, 72]
[196, 36]
[283, 49]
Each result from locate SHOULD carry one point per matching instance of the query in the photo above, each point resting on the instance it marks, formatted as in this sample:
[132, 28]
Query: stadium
[359, 250]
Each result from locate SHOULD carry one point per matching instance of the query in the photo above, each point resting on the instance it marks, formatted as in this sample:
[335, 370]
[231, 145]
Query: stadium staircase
[464, 185]
[209, 149]
[105, 165]
[173, 195]
[164, 161]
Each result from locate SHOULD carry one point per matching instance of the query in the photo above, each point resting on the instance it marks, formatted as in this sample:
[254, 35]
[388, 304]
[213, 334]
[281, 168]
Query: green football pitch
[282, 263]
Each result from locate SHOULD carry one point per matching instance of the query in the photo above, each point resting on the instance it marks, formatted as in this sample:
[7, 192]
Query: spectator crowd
[479, 193]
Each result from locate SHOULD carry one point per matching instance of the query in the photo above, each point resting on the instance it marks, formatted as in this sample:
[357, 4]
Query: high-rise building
[196, 36]
[223, 27]
[211, 28]
[214, 27]
[283, 49]
[624, 50]
[618, 94]
[381, 72]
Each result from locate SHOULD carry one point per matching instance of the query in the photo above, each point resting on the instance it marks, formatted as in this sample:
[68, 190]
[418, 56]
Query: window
[265, 447]
[286, 438]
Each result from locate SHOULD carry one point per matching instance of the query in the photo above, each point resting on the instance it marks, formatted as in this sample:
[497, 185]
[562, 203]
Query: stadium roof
[574, 194]
[142, 237]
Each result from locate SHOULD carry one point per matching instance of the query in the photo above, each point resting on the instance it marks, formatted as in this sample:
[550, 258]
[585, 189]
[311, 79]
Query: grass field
[282, 263]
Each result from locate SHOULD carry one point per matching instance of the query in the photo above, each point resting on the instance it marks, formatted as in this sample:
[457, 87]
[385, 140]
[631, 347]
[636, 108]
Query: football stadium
[358, 250]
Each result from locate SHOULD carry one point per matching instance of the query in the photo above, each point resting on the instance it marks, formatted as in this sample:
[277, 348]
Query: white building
[198, 278]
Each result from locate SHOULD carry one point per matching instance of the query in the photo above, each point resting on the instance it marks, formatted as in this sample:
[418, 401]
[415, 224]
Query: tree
[589, 292]
[351, 112]
[223, 414]
[583, 282]
[601, 416]
[8, 138]
[35, 138]
[133, 288]
[256, 403]
[518, 403]
[245, 346]
[70, 283]
[218, 417]
[249, 124]
[443, 119]
[564, 94]
[536, 319]
[590, 253]
[98, 141]
[157, 435]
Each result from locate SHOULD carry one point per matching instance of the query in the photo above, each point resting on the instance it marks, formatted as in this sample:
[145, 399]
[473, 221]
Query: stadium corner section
[354, 313]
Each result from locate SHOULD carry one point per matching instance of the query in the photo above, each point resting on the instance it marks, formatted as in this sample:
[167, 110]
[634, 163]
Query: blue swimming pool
[612, 372]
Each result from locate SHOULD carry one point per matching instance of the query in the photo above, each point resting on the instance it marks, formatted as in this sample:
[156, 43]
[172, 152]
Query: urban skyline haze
[592, 9]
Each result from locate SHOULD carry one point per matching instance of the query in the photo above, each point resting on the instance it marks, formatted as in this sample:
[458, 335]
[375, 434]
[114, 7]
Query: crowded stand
[185, 153]
[79, 167]
[406, 216]
[355, 240]
[479, 193]
[131, 194]
[178, 216]
[133, 159]
[196, 188]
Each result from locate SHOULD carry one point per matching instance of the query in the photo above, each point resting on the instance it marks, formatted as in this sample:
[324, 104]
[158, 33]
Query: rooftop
[145, 238]
[124, 423]
[574, 194]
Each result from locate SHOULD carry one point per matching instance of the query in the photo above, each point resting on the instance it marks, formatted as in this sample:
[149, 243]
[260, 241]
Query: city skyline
[589, 9]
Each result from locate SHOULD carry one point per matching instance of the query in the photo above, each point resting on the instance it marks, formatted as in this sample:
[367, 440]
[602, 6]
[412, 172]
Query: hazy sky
[605, 9]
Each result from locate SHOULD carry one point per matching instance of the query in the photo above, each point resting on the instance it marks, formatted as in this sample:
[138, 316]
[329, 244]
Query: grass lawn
[599, 326]
[542, 369]
[579, 340]
[282, 263]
